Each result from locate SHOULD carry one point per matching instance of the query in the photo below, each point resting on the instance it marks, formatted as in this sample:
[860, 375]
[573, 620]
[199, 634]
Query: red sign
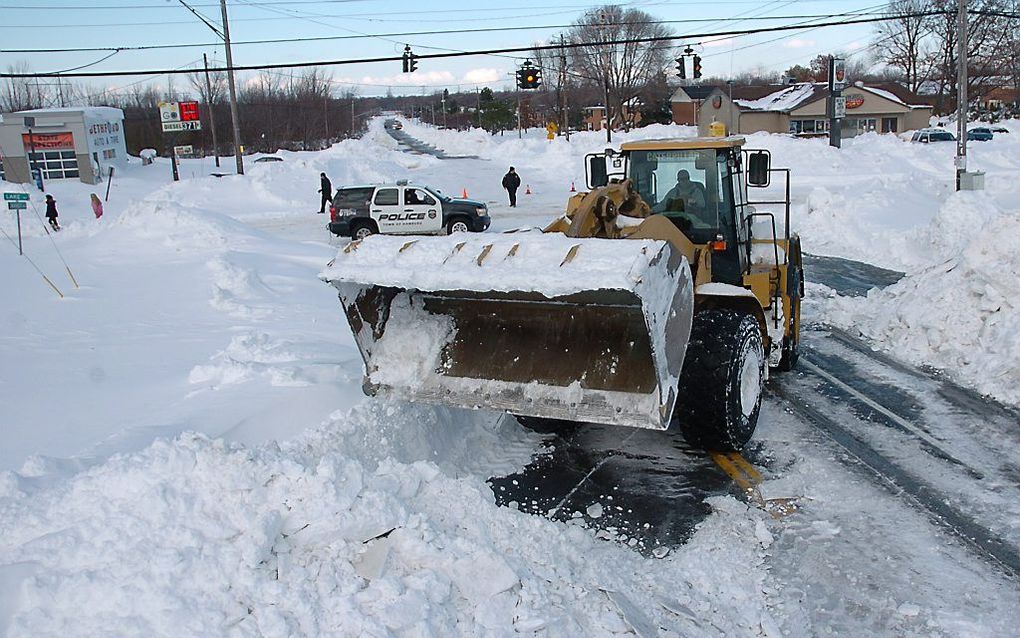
[48, 141]
[853, 102]
[189, 111]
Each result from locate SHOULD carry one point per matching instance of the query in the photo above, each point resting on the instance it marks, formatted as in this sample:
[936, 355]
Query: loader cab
[699, 186]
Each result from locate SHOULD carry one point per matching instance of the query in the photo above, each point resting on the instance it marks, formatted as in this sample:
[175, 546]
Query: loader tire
[721, 382]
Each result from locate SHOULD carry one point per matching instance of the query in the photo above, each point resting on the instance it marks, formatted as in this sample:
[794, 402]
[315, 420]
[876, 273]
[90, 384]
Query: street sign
[15, 197]
[184, 150]
[169, 127]
[839, 107]
[17, 205]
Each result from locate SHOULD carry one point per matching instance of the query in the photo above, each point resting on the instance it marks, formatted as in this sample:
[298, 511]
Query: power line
[458, 54]
[146, 47]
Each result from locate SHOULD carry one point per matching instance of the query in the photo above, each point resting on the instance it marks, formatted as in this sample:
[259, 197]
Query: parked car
[403, 209]
[927, 135]
[979, 134]
[999, 129]
[268, 158]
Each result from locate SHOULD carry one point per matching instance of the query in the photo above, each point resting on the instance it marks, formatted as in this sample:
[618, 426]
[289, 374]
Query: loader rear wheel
[722, 379]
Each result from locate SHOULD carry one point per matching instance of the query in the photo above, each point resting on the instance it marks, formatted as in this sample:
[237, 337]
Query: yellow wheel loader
[661, 297]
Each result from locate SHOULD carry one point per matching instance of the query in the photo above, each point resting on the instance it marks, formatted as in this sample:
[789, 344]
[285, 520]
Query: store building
[800, 109]
[69, 143]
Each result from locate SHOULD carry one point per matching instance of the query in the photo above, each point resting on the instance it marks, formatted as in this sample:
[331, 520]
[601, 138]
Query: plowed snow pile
[962, 313]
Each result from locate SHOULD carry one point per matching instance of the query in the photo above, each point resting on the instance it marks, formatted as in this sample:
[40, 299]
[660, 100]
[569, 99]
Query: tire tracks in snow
[888, 433]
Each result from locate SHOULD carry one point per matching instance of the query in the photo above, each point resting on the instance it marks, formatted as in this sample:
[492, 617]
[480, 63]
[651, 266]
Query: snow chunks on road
[202, 537]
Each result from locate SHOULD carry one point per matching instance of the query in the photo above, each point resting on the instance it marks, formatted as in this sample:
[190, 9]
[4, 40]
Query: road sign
[15, 197]
[184, 150]
[169, 127]
[17, 205]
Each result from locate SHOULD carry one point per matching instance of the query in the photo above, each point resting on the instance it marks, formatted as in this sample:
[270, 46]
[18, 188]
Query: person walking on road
[51, 212]
[326, 188]
[511, 182]
[97, 206]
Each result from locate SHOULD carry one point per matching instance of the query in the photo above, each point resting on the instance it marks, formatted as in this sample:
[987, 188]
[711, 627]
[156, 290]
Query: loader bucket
[534, 324]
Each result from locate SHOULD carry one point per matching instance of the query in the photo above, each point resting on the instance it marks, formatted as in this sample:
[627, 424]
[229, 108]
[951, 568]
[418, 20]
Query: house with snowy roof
[800, 109]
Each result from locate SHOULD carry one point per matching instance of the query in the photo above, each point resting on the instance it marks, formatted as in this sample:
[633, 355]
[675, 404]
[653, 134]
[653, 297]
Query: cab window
[386, 197]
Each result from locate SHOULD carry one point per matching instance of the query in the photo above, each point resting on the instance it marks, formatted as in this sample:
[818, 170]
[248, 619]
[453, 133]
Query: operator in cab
[687, 196]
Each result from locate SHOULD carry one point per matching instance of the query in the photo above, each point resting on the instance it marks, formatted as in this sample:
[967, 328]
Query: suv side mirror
[596, 173]
[758, 168]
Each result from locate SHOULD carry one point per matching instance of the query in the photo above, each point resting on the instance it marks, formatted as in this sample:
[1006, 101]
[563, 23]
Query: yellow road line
[737, 469]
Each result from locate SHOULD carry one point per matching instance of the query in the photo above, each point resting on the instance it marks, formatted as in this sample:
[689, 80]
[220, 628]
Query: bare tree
[621, 69]
[22, 94]
[903, 42]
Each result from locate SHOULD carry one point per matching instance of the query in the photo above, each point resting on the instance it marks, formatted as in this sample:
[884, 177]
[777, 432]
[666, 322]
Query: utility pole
[519, 134]
[212, 107]
[563, 89]
[233, 90]
[961, 92]
[608, 65]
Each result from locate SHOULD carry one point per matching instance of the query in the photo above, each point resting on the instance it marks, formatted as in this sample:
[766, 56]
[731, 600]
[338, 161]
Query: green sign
[16, 197]
[17, 205]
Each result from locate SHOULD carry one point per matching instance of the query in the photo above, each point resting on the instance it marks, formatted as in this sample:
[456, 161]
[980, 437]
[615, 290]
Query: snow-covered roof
[785, 99]
[97, 112]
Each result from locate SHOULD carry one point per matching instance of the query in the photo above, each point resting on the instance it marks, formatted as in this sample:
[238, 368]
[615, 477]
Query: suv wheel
[362, 231]
[457, 226]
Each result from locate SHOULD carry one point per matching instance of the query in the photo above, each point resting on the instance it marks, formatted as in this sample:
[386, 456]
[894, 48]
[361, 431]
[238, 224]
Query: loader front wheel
[722, 379]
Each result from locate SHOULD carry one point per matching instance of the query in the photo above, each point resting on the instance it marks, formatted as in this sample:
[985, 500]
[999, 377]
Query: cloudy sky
[61, 24]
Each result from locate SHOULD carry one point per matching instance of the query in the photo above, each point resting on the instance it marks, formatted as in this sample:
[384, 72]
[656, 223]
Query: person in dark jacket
[511, 182]
[326, 188]
[51, 212]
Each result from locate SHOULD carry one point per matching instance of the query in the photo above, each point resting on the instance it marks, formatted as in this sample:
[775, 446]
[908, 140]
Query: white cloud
[798, 43]
[419, 78]
[479, 76]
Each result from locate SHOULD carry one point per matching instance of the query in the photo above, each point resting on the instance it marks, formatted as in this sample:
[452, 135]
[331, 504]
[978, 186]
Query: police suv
[402, 208]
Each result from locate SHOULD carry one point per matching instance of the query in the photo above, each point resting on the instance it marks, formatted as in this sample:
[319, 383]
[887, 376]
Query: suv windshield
[687, 186]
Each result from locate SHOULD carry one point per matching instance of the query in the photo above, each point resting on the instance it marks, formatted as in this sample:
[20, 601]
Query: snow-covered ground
[185, 447]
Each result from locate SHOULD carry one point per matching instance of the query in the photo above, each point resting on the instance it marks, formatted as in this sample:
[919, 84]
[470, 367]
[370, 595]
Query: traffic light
[533, 78]
[696, 67]
[528, 76]
[522, 75]
[410, 60]
[681, 68]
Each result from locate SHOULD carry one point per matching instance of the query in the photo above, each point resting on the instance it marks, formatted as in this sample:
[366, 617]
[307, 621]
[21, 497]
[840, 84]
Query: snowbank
[962, 313]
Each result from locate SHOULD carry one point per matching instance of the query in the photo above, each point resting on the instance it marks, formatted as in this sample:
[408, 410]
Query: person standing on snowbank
[51, 212]
[511, 182]
[326, 188]
[97, 206]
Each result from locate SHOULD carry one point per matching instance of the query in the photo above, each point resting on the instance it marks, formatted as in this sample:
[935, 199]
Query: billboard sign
[837, 74]
[179, 116]
[839, 107]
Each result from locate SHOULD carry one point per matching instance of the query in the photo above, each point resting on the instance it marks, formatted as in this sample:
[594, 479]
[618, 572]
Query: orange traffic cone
[464, 194]
[527, 189]
[572, 189]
